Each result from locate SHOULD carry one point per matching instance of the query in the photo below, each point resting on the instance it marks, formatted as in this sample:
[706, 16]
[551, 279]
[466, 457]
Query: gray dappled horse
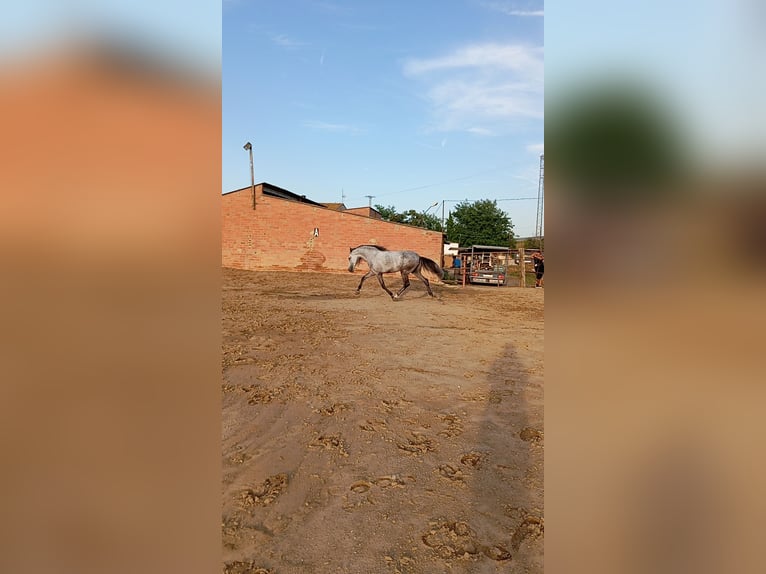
[380, 260]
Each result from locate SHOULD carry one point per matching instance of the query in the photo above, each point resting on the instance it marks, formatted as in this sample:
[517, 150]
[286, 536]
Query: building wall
[366, 211]
[279, 235]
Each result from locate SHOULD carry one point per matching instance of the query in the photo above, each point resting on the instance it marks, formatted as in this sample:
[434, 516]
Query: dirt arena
[364, 436]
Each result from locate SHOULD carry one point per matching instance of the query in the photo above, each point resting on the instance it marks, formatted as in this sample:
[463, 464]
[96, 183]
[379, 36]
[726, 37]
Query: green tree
[420, 219]
[533, 243]
[410, 217]
[480, 223]
[389, 213]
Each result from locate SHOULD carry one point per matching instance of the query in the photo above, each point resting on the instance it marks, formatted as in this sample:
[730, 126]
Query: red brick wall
[279, 234]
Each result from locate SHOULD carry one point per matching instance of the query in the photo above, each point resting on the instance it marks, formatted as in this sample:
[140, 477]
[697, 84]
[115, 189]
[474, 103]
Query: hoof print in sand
[532, 527]
[473, 459]
[401, 565]
[333, 409]
[496, 553]
[257, 395]
[361, 487]
[389, 481]
[452, 473]
[266, 492]
[454, 425]
[330, 442]
[529, 434]
[244, 568]
[239, 456]
[458, 540]
[452, 540]
[417, 444]
[393, 481]
[373, 425]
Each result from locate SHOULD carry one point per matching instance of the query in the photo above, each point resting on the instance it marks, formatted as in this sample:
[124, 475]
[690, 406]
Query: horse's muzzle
[351, 268]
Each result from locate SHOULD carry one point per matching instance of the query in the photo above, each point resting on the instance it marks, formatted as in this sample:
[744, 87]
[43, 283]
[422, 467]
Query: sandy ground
[363, 435]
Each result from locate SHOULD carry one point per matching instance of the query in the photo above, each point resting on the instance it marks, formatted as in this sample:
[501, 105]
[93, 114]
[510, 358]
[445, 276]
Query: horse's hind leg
[419, 275]
[405, 284]
[365, 276]
[380, 279]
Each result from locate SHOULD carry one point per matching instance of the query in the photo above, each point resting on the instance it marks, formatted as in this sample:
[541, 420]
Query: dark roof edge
[266, 186]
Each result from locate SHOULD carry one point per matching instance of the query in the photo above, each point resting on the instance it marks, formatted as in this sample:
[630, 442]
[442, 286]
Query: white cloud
[325, 126]
[286, 41]
[536, 148]
[510, 57]
[330, 7]
[511, 9]
[481, 88]
[479, 131]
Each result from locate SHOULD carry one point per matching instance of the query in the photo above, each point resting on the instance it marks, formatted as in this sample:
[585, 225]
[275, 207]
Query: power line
[444, 182]
[497, 199]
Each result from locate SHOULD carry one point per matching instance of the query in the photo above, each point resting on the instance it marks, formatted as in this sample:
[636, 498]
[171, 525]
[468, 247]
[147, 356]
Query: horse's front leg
[365, 276]
[380, 279]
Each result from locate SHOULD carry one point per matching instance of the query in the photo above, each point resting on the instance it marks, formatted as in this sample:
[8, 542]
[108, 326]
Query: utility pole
[369, 199]
[443, 230]
[540, 204]
[249, 147]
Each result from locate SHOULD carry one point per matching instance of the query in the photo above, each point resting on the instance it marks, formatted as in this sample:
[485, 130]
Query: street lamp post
[425, 213]
[430, 207]
[425, 224]
[249, 147]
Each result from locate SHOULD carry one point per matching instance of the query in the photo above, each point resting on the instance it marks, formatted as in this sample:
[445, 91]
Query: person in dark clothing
[538, 262]
[456, 265]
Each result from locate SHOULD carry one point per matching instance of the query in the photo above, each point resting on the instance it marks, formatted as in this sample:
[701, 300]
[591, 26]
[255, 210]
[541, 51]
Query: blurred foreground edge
[655, 316]
[109, 237]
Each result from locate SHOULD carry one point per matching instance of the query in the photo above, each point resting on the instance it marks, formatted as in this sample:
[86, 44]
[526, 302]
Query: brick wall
[279, 235]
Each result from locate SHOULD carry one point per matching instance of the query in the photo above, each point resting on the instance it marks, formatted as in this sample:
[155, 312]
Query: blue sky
[171, 29]
[413, 102]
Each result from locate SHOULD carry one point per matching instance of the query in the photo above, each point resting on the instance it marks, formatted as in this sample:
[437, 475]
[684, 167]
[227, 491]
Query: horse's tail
[431, 266]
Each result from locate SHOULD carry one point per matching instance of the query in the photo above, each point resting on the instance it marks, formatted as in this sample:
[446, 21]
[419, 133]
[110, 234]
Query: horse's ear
[350, 249]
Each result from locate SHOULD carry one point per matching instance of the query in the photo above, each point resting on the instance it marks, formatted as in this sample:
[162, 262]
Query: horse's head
[353, 259]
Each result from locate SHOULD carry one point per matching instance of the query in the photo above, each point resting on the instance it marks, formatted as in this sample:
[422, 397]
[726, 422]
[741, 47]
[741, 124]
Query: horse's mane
[378, 247]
